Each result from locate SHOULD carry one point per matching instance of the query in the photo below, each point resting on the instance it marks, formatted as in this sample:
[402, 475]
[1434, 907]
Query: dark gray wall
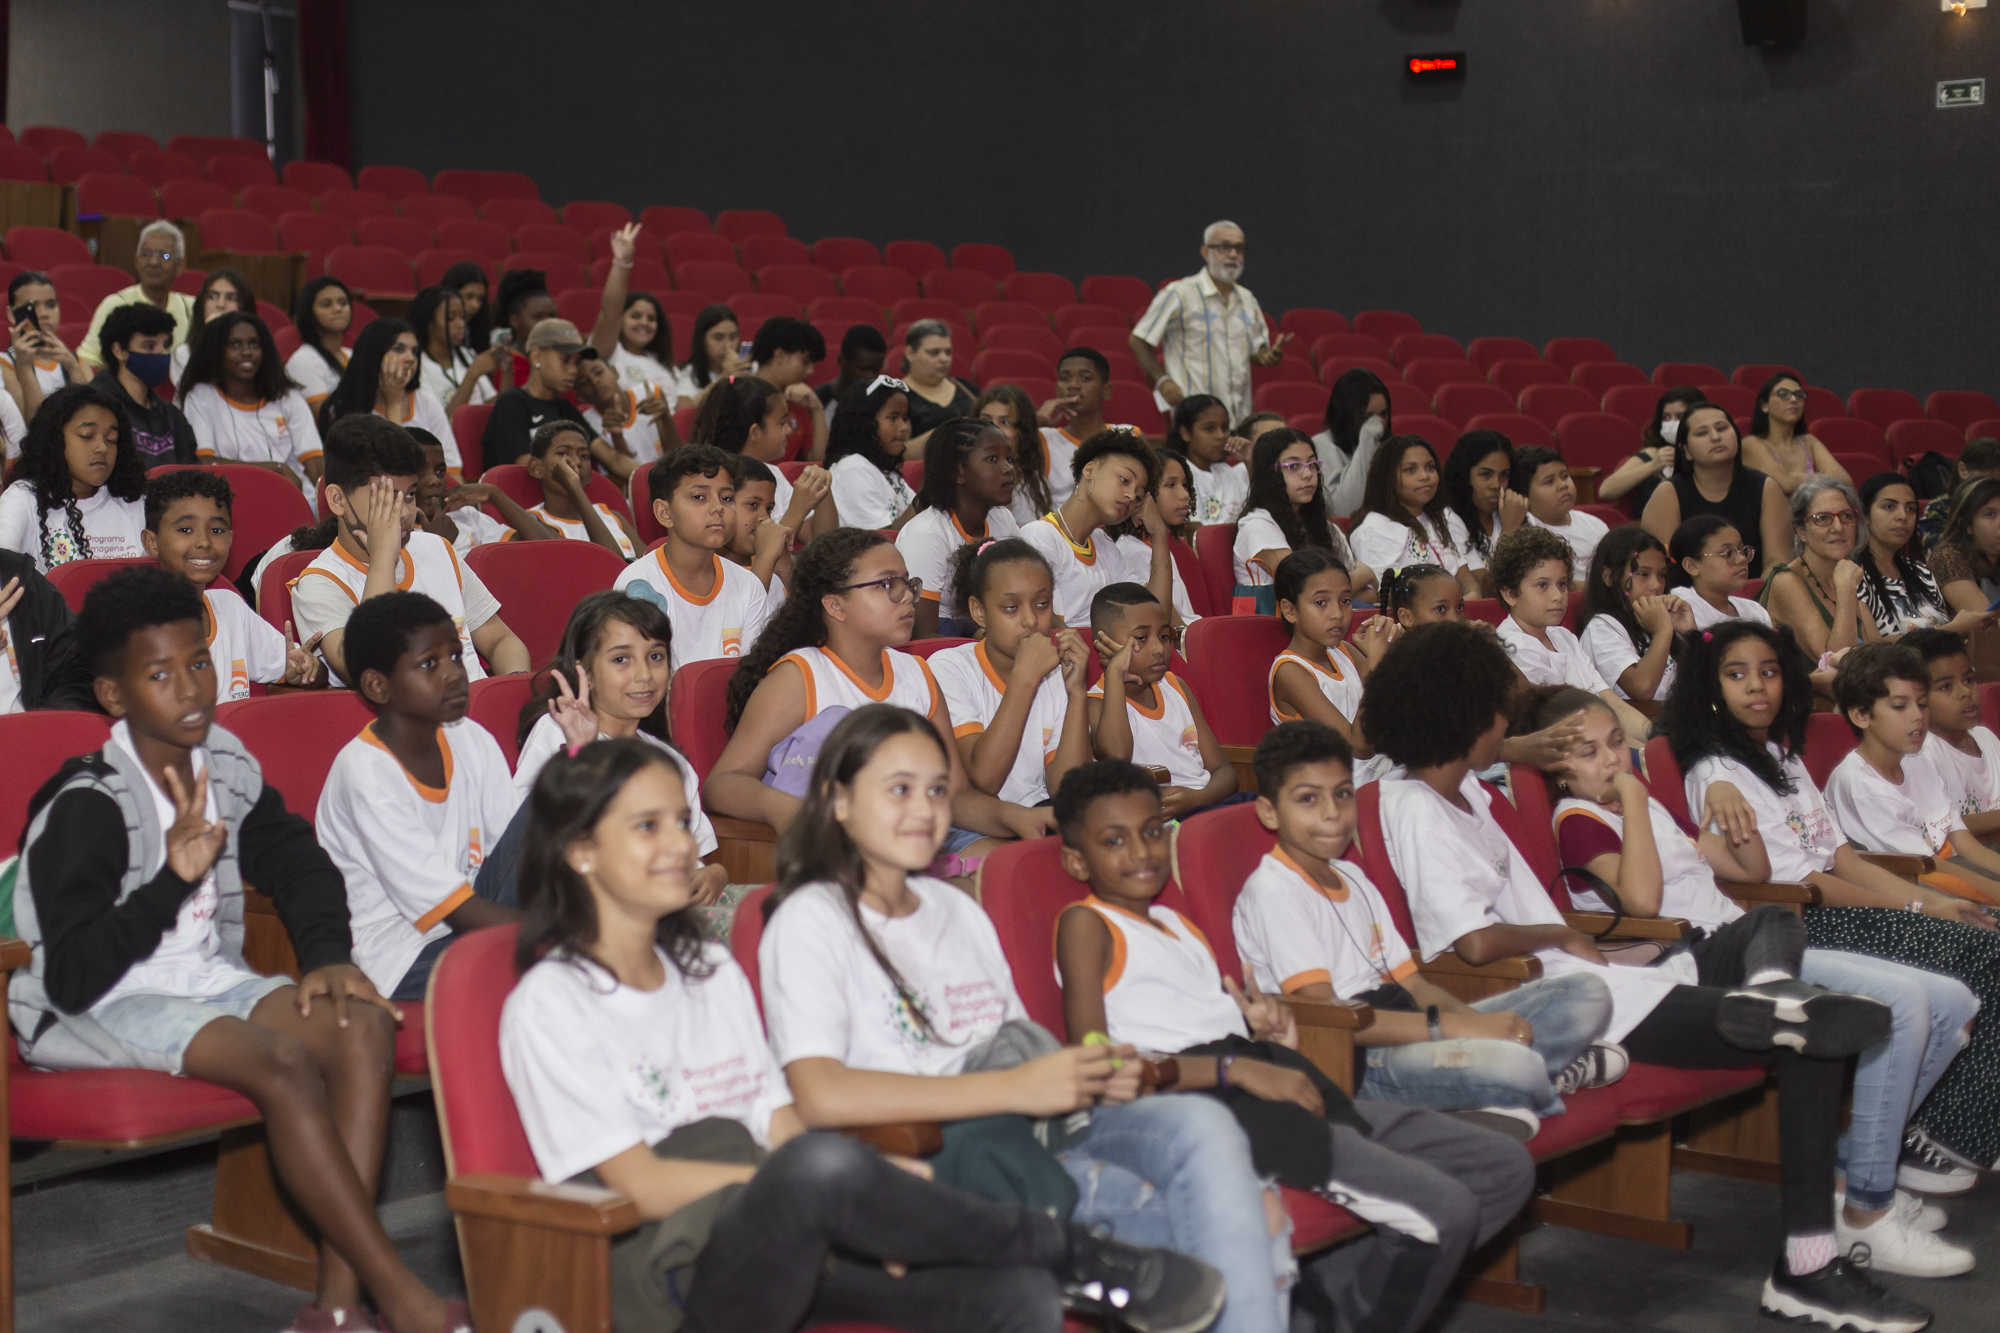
[1622, 169]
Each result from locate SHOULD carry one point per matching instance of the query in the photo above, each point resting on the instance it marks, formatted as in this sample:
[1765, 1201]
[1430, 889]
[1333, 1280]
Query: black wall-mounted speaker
[1779, 23]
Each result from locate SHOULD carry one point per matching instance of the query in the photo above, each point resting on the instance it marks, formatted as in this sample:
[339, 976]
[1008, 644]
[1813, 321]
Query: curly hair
[558, 914]
[1697, 722]
[125, 602]
[1473, 448]
[855, 429]
[973, 563]
[1604, 587]
[821, 569]
[581, 639]
[1117, 442]
[205, 361]
[184, 483]
[1031, 454]
[1516, 555]
[1405, 713]
[1378, 493]
[1303, 524]
[44, 463]
[362, 380]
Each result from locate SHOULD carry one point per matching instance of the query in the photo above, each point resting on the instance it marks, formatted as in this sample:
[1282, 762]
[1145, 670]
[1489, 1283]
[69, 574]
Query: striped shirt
[1206, 340]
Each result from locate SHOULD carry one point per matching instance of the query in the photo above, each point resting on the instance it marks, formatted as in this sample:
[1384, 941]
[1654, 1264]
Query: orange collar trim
[435, 795]
[876, 695]
[404, 580]
[689, 597]
[1339, 895]
[986, 665]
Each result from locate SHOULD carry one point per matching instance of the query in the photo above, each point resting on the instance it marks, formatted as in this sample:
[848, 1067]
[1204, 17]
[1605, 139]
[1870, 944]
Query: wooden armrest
[1347, 1015]
[14, 953]
[1595, 924]
[908, 1138]
[575, 1208]
[1520, 967]
[1770, 892]
[727, 826]
[1575, 471]
[1911, 866]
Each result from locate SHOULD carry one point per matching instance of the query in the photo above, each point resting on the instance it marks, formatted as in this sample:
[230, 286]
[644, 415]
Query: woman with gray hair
[935, 397]
[1817, 592]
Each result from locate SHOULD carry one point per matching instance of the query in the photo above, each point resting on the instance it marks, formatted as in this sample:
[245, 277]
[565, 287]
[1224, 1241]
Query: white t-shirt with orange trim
[242, 645]
[1687, 888]
[1061, 447]
[266, 431]
[1080, 571]
[1163, 991]
[907, 682]
[1342, 688]
[1292, 933]
[1165, 736]
[423, 410]
[576, 532]
[932, 537]
[315, 378]
[640, 432]
[724, 623]
[49, 374]
[409, 853]
[973, 691]
[329, 589]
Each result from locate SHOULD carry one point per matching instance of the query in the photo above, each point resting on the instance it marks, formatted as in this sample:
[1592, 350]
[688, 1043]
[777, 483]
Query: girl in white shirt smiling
[864, 452]
[1403, 519]
[635, 1058]
[244, 408]
[1737, 722]
[1285, 511]
[884, 991]
[1626, 622]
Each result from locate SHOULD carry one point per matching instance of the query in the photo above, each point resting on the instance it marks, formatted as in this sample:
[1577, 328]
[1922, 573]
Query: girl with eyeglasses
[864, 452]
[1711, 564]
[1817, 593]
[1404, 520]
[1779, 445]
[832, 648]
[1285, 511]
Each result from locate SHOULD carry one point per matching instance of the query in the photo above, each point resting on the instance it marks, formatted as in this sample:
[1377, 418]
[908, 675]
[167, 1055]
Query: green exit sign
[1961, 92]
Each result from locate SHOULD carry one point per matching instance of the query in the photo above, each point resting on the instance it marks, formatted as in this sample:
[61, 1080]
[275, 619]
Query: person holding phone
[33, 314]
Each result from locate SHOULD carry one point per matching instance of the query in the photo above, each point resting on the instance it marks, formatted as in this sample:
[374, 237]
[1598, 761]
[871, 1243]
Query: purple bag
[790, 767]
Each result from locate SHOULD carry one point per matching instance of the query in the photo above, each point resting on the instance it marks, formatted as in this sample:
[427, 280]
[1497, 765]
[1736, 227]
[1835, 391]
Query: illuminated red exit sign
[1443, 64]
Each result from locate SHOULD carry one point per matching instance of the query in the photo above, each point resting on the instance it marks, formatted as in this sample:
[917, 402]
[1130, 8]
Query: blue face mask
[152, 368]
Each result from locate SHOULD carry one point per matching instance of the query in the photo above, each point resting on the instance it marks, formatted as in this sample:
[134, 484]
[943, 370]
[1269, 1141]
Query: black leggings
[1681, 1034]
[803, 1244]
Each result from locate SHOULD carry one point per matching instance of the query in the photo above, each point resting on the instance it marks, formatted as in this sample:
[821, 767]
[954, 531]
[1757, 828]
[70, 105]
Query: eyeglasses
[898, 588]
[1790, 395]
[1299, 465]
[1730, 554]
[1845, 518]
[159, 256]
[1227, 247]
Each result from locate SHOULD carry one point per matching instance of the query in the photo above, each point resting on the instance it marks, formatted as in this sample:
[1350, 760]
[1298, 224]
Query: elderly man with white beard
[1207, 329]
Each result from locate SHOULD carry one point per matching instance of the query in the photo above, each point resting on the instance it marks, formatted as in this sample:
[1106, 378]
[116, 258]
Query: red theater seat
[264, 509]
[1550, 403]
[316, 178]
[537, 584]
[1386, 325]
[1229, 661]
[915, 258]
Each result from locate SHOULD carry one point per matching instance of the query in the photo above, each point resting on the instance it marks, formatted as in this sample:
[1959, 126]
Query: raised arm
[611, 310]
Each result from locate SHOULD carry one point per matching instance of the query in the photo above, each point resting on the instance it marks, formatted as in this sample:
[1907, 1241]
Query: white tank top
[1163, 991]
[906, 682]
[1342, 687]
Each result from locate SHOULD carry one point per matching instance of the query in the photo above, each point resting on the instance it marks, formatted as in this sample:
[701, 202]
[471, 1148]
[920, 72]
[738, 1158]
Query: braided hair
[824, 567]
[44, 466]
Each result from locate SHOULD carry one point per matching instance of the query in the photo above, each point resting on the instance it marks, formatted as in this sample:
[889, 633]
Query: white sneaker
[1891, 1245]
[1914, 1211]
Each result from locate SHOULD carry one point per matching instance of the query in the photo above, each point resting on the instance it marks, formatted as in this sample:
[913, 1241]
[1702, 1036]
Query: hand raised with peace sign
[193, 842]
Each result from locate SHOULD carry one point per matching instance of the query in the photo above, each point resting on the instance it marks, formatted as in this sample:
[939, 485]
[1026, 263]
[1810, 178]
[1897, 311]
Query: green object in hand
[1103, 1039]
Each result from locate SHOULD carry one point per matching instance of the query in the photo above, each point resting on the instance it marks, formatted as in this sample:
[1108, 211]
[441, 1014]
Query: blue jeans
[1929, 1012]
[1466, 1073]
[1175, 1172]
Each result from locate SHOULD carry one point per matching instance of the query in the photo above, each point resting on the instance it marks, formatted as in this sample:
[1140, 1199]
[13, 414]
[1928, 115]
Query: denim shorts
[156, 1029]
[958, 840]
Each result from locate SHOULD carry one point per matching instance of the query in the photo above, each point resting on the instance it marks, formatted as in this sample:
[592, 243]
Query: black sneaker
[1927, 1169]
[1812, 1020]
[1840, 1296]
[1150, 1291]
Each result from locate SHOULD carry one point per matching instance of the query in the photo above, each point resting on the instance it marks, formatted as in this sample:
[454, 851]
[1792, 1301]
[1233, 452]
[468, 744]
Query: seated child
[1083, 385]
[1017, 695]
[138, 959]
[559, 458]
[751, 417]
[188, 532]
[1626, 622]
[1200, 431]
[1530, 569]
[1173, 495]
[453, 511]
[1540, 474]
[1285, 511]
[888, 997]
[79, 485]
[1140, 972]
[717, 607]
[761, 541]
[413, 804]
[1114, 477]
[609, 679]
[1713, 563]
[637, 1061]
[1142, 713]
[836, 646]
[1319, 674]
[1886, 794]
[968, 484]
[1965, 753]
[864, 455]
[1403, 518]
[1656, 869]
[372, 467]
[1471, 892]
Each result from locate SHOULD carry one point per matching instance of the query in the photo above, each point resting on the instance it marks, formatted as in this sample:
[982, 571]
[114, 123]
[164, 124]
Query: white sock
[1809, 1254]
[1768, 974]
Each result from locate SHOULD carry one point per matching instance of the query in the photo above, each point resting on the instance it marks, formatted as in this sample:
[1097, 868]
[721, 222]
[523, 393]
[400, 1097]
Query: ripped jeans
[1468, 1073]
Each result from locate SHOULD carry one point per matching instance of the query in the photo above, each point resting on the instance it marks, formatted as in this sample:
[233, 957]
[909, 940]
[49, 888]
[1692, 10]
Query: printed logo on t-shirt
[474, 855]
[1809, 828]
[1191, 739]
[239, 680]
[1936, 831]
[732, 641]
[956, 1011]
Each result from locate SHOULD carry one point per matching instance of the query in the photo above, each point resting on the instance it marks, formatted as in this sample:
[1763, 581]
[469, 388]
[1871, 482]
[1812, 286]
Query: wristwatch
[1436, 1023]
